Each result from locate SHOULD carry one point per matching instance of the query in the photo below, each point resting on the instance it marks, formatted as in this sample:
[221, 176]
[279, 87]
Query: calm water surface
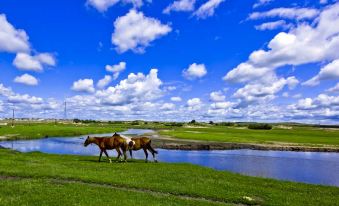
[308, 167]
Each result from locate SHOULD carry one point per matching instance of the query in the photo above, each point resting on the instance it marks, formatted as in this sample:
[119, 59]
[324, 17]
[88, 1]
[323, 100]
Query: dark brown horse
[137, 143]
[109, 143]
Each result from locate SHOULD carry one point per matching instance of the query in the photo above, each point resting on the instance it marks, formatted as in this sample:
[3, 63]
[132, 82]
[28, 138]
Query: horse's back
[141, 140]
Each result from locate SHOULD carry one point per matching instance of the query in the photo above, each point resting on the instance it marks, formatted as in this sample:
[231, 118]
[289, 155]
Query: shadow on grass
[116, 162]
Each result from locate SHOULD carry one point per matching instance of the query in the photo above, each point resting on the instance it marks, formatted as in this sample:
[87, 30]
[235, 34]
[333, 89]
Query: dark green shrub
[135, 123]
[193, 121]
[231, 124]
[174, 124]
[260, 126]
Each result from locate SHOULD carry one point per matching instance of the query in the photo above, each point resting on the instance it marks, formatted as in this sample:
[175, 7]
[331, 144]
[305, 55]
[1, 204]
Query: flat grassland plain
[45, 179]
[294, 134]
[298, 135]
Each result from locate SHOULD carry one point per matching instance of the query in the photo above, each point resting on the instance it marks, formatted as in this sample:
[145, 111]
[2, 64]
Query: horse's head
[87, 141]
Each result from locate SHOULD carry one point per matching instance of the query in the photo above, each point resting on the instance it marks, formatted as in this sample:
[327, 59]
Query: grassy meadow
[306, 135]
[300, 135]
[45, 179]
[36, 130]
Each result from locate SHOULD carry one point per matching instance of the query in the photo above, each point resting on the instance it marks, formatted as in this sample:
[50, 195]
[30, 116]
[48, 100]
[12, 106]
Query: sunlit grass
[174, 179]
[295, 135]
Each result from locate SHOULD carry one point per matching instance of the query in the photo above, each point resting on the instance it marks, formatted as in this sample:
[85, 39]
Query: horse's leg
[125, 156]
[100, 154]
[153, 153]
[110, 161]
[146, 154]
[130, 152]
[124, 150]
[119, 154]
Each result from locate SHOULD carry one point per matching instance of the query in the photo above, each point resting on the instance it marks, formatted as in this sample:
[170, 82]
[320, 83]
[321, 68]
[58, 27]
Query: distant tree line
[258, 126]
[86, 121]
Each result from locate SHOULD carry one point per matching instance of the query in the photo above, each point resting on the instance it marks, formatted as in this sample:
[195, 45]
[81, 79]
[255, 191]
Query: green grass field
[39, 130]
[296, 135]
[44, 179]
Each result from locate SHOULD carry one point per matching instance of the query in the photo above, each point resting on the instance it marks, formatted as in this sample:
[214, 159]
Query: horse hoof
[156, 161]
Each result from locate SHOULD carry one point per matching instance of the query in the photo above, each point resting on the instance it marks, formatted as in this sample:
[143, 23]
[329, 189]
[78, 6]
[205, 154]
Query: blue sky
[220, 60]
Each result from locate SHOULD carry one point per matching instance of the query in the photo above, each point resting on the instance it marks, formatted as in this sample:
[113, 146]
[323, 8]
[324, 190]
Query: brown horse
[137, 143]
[109, 143]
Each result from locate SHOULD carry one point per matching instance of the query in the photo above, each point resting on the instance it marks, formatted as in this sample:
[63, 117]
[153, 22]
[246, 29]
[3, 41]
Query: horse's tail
[151, 148]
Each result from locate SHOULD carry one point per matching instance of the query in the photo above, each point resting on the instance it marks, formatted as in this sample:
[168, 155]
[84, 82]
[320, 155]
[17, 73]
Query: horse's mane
[116, 135]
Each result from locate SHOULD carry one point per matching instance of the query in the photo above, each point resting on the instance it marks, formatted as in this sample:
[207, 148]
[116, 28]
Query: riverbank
[36, 178]
[182, 144]
[188, 137]
[299, 137]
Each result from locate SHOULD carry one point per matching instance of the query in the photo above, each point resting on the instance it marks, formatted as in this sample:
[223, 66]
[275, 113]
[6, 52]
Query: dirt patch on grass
[283, 127]
[190, 126]
[3, 137]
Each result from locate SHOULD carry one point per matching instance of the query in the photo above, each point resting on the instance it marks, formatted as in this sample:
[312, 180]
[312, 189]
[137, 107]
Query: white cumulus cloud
[167, 106]
[176, 99]
[255, 92]
[221, 105]
[330, 71]
[217, 96]
[5, 91]
[135, 31]
[261, 3]
[321, 101]
[102, 83]
[180, 5]
[136, 88]
[83, 85]
[16, 41]
[280, 24]
[246, 72]
[103, 5]
[11, 39]
[25, 61]
[207, 9]
[26, 79]
[25, 98]
[334, 89]
[288, 13]
[313, 42]
[194, 71]
[194, 104]
[116, 69]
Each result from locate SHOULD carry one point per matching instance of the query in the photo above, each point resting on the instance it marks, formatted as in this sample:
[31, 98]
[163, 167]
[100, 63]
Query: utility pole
[13, 119]
[65, 111]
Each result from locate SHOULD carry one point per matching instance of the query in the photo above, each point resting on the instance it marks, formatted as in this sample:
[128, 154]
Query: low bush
[260, 126]
[230, 124]
[174, 124]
